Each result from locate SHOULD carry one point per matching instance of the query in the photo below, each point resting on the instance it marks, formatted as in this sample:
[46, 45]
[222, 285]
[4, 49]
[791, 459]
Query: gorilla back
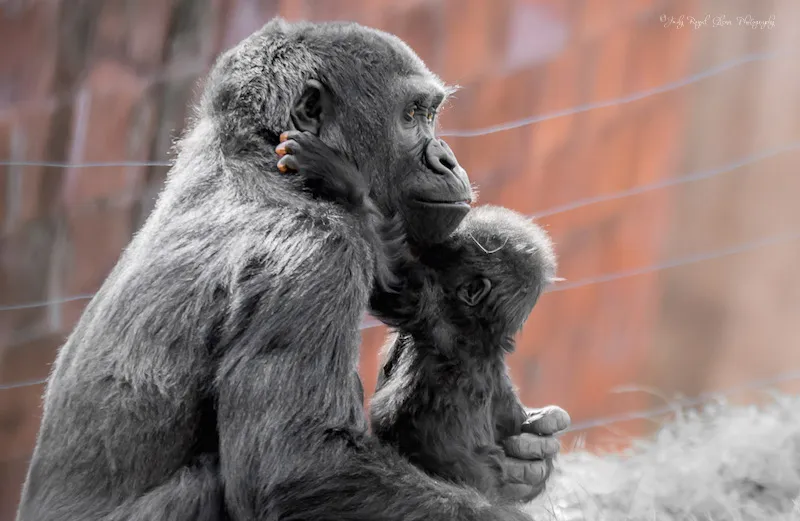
[228, 331]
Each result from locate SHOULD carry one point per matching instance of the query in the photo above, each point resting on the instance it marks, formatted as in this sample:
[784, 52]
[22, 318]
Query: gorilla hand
[327, 174]
[546, 421]
[332, 177]
[529, 456]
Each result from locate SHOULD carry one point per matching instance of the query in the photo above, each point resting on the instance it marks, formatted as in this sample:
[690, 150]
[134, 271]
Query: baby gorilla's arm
[439, 433]
[455, 461]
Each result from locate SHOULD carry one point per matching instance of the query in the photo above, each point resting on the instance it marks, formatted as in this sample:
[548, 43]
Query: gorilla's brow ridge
[427, 90]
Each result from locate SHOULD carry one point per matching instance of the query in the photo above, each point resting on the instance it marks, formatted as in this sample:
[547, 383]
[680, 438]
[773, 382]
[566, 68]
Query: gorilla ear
[311, 107]
[474, 291]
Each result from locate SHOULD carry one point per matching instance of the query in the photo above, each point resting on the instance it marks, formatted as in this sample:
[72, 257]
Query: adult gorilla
[229, 328]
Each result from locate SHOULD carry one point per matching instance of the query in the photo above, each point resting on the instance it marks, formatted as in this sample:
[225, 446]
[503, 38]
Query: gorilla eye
[431, 115]
[410, 113]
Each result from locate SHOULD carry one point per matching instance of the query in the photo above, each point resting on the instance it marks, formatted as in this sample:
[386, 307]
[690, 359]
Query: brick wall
[731, 320]
[109, 80]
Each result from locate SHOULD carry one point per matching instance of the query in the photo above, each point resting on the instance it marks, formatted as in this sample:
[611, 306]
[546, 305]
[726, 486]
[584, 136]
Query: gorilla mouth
[431, 221]
[464, 203]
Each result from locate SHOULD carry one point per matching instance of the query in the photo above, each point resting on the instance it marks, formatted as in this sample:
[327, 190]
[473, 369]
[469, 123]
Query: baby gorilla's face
[491, 271]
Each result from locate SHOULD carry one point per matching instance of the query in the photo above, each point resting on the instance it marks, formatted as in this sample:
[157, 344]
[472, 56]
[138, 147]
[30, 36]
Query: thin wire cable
[705, 174]
[674, 181]
[56, 164]
[667, 87]
[25, 383]
[700, 399]
[370, 322]
[44, 303]
[565, 286]
[683, 403]
[678, 262]
[168, 74]
[636, 96]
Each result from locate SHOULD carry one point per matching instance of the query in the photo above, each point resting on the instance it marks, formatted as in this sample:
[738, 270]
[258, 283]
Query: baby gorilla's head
[479, 285]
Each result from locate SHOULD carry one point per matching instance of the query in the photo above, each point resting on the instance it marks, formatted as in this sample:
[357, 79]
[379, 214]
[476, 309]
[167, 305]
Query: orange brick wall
[92, 80]
[732, 320]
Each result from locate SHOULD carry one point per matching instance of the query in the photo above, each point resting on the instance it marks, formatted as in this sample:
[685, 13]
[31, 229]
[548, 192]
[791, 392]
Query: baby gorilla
[444, 397]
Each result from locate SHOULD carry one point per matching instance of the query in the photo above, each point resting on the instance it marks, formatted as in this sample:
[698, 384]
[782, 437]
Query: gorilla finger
[518, 492]
[290, 134]
[286, 147]
[532, 473]
[531, 447]
[546, 421]
[301, 138]
[288, 164]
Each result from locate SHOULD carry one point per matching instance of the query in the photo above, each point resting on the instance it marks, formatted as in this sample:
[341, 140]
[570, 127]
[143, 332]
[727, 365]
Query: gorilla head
[482, 282]
[365, 94]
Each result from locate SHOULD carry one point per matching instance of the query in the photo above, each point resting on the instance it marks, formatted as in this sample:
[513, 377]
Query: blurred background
[657, 141]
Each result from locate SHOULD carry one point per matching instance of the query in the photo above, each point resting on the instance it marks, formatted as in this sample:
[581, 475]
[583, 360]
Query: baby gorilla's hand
[328, 175]
[546, 421]
[529, 456]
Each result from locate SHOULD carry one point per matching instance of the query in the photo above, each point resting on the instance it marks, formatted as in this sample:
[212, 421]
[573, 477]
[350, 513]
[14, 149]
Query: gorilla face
[435, 192]
[380, 112]
[365, 94]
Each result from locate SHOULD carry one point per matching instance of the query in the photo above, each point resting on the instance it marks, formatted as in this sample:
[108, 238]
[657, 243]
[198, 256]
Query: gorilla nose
[440, 158]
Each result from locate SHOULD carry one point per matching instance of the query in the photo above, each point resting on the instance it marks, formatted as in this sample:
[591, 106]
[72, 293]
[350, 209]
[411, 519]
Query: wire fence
[600, 279]
[580, 203]
[672, 407]
[675, 405]
[762, 242]
[637, 96]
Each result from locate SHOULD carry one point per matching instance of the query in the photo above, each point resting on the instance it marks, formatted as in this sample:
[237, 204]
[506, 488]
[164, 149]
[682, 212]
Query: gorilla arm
[293, 445]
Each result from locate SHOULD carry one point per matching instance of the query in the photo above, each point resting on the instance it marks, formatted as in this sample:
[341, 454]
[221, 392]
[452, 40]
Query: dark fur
[228, 331]
[444, 397]
[329, 176]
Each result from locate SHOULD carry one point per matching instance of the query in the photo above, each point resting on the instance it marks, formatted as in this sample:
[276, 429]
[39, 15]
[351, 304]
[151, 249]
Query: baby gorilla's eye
[410, 113]
[431, 115]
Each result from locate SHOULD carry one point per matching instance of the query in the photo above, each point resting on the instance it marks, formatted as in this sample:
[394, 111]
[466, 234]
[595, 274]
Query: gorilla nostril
[439, 158]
